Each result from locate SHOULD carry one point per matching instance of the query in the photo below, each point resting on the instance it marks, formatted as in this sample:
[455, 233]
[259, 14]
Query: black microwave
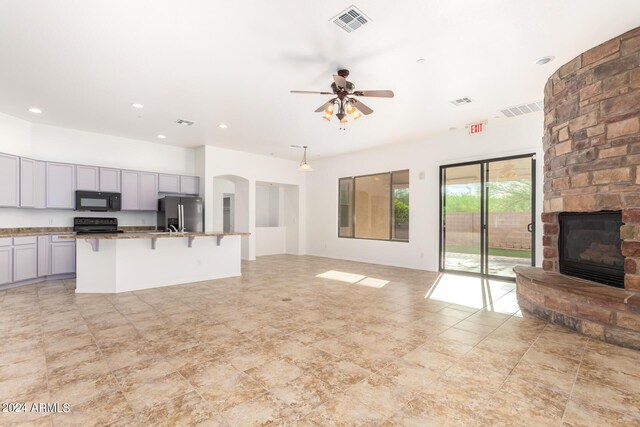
[97, 201]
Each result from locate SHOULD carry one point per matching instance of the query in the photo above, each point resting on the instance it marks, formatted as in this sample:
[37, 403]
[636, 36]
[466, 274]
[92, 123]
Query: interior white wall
[271, 240]
[290, 219]
[254, 168]
[503, 137]
[51, 143]
[220, 188]
[267, 205]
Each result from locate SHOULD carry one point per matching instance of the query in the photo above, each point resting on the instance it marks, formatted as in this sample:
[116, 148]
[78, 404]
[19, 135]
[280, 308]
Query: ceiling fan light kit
[345, 92]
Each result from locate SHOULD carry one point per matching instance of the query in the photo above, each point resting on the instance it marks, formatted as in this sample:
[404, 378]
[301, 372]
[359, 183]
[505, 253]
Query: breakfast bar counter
[122, 262]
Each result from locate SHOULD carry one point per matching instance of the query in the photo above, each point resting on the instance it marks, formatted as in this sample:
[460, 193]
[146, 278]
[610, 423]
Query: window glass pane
[345, 207]
[373, 206]
[400, 188]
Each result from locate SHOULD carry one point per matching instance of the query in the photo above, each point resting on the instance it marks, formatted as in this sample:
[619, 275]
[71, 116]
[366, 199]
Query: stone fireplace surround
[592, 163]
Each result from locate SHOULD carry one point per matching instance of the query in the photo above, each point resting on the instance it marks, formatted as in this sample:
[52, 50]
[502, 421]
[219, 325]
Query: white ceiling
[84, 62]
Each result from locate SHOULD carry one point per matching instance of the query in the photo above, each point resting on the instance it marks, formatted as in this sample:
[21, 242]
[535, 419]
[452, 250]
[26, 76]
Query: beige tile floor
[306, 341]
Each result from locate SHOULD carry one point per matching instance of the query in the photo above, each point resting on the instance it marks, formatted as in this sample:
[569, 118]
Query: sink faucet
[172, 228]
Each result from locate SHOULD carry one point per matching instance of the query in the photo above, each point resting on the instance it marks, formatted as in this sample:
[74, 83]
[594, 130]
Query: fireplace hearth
[589, 246]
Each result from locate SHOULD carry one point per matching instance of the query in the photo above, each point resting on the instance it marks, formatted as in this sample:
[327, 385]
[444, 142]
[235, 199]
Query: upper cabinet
[178, 184]
[139, 191]
[10, 179]
[190, 185]
[61, 185]
[87, 178]
[148, 191]
[110, 180]
[40, 187]
[168, 183]
[32, 183]
[27, 183]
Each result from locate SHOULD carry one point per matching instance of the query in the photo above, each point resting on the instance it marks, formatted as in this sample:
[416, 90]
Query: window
[374, 206]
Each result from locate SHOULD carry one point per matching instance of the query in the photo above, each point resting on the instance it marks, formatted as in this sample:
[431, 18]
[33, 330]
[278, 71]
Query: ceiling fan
[344, 100]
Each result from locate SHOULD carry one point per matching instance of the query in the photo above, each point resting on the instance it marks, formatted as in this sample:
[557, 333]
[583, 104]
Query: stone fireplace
[590, 280]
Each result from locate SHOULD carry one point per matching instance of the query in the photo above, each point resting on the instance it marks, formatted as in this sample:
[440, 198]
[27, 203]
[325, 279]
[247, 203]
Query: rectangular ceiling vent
[519, 110]
[461, 101]
[184, 122]
[350, 19]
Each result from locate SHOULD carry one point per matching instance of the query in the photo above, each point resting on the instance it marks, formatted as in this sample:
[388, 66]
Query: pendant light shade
[304, 166]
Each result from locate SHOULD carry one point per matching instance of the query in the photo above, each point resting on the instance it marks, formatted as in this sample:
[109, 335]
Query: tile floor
[306, 341]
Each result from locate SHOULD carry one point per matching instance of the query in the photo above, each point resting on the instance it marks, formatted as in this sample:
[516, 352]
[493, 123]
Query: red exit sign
[476, 128]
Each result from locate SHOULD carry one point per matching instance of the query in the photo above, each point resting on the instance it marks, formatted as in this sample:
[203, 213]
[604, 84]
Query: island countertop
[150, 235]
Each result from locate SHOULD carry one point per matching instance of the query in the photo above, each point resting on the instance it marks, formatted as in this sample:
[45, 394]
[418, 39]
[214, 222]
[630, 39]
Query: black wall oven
[97, 201]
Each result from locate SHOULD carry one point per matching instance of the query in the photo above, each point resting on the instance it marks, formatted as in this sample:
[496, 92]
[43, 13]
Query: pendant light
[304, 166]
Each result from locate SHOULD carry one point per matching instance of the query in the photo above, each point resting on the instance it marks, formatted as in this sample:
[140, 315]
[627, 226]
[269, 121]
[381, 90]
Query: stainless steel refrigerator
[183, 213]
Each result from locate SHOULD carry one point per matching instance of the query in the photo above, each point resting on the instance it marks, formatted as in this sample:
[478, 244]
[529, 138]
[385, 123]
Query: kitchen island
[122, 262]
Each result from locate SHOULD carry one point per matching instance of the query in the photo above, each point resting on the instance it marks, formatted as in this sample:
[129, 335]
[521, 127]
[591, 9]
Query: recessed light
[421, 60]
[135, 105]
[545, 60]
[222, 126]
[162, 137]
[35, 110]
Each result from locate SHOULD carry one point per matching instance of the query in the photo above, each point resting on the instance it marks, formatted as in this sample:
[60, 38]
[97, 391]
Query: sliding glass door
[487, 218]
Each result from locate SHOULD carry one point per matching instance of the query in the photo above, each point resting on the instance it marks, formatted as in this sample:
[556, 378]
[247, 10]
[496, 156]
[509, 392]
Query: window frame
[391, 206]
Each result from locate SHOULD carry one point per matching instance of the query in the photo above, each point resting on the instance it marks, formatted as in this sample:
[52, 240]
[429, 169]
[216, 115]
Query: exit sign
[476, 128]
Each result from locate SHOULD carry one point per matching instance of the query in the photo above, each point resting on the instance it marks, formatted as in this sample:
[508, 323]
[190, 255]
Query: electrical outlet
[50, 221]
[198, 263]
[143, 221]
[421, 254]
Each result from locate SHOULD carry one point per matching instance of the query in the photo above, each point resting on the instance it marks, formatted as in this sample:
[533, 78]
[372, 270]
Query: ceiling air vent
[461, 101]
[350, 19]
[518, 110]
[184, 122]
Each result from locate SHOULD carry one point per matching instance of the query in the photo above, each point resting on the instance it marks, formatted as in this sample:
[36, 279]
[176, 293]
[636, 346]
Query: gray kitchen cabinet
[25, 262]
[87, 178]
[27, 183]
[110, 180]
[10, 179]
[139, 191]
[130, 190]
[148, 191]
[190, 185]
[43, 256]
[6, 265]
[61, 185]
[168, 183]
[40, 185]
[62, 259]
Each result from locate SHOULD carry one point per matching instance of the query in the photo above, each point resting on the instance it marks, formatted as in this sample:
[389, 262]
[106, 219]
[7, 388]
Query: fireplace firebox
[589, 246]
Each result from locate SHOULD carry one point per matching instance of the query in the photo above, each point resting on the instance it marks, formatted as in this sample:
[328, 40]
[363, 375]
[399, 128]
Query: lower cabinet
[25, 262]
[30, 257]
[43, 256]
[6, 265]
[63, 257]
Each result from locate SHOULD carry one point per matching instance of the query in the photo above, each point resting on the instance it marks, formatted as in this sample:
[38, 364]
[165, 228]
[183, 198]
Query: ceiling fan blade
[375, 93]
[361, 107]
[325, 105]
[311, 91]
[340, 81]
